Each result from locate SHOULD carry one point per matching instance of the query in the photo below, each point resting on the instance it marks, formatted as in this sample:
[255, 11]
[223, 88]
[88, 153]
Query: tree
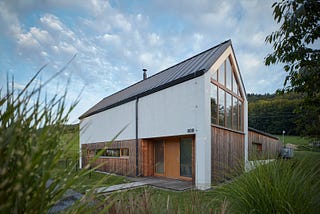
[296, 45]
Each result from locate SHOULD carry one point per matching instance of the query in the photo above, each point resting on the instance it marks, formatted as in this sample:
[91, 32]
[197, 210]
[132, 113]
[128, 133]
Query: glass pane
[235, 85]
[186, 157]
[124, 152]
[228, 74]
[235, 113]
[240, 116]
[159, 157]
[221, 105]
[215, 75]
[228, 110]
[214, 104]
[221, 74]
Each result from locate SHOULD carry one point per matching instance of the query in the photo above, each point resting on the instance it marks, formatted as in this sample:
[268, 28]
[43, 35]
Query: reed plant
[31, 146]
[282, 186]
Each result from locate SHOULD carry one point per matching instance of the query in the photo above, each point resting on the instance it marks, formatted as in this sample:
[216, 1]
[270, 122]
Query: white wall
[171, 111]
[105, 125]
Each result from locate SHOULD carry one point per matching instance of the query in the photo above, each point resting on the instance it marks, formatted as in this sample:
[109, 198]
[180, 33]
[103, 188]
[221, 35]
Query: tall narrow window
[228, 74]
[240, 116]
[221, 107]
[186, 157]
[228, 110]
[214, 104]
[221, 74]
[235, 116]
[159, 157]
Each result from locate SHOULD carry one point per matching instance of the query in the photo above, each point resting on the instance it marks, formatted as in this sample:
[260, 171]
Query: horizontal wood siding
[270, 146]
[118, 165]
[227, 153]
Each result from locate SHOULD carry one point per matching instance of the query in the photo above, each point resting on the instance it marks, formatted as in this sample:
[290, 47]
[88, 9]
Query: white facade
[172, 111]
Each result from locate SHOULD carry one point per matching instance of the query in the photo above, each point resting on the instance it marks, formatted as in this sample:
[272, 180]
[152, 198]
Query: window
[159, 157]
[221, 105]
[214, 104]
[226, 100]
[221, 74]
[256, 148]
[123, 152]
[228, 111]
[186, 157]
[229, 74]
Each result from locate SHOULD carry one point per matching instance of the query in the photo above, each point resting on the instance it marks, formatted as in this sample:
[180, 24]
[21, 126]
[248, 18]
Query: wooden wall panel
[270, 146]
[227, 153]
[118, 165]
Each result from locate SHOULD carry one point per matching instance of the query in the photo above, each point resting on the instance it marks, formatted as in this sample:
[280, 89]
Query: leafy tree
[296, 45]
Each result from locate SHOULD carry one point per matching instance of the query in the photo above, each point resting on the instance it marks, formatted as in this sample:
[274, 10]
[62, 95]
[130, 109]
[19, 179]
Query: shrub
[279, 187]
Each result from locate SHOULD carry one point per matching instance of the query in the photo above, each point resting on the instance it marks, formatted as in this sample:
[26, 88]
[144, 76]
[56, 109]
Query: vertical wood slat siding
[118, 165]
[227, 153]
[270, 146]
[147, 147]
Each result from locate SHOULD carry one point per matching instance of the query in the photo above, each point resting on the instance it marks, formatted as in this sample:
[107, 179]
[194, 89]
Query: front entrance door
[172, 158]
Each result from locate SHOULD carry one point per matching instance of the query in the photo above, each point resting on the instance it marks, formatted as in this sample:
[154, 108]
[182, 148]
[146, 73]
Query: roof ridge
[198, 63]
[158, 73]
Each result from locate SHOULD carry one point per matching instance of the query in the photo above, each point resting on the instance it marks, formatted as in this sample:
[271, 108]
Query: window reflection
[226, 105]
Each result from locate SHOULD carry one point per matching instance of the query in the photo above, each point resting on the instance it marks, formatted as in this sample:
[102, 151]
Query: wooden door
[172, 158]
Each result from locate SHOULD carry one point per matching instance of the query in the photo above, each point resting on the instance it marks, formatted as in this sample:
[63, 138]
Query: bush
[279, 187]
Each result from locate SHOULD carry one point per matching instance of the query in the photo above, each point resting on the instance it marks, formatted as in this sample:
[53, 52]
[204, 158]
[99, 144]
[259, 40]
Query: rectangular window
[123, 152]
[221, 74]
[234, 85]
[235, 114]
[186, 157]
[240, 116]
[159, 157]
[214, 104]
[228, 74]
[221, 105]
[228, 110]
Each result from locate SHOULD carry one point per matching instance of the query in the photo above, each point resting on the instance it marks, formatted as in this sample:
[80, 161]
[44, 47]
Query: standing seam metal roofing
[181, 72]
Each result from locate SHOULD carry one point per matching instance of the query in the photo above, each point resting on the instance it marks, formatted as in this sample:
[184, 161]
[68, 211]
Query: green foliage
[31, 147]
[279, 187]
[274, 113]
[296, 45]
[293, 43]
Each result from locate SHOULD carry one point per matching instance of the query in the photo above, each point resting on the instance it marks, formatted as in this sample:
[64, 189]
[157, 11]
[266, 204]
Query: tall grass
[31, 146]
[279, 187]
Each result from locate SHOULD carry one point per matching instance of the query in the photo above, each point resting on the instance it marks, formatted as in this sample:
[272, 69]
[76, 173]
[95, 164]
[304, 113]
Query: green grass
[296, 140]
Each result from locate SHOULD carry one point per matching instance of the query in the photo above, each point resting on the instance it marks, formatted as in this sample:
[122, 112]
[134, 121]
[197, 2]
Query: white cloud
[114, 41]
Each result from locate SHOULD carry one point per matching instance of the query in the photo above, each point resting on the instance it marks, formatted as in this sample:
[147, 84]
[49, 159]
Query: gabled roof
[181, 72]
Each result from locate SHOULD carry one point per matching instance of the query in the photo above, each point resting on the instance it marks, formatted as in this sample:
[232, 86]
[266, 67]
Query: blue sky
[114, 40]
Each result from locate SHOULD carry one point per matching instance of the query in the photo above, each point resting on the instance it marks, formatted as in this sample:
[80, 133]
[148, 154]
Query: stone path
[163, 183]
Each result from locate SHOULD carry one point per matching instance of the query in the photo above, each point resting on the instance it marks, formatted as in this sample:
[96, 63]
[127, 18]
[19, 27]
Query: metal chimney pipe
[144, 73]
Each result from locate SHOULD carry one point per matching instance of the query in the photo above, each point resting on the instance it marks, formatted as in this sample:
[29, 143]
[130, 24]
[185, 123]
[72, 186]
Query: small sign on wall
[190, 130]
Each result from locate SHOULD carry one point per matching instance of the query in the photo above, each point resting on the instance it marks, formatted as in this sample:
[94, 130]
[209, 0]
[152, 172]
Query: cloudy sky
[113, 40]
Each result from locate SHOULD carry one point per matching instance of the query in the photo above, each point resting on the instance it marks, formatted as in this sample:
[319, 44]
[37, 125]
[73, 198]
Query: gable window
[226, 99]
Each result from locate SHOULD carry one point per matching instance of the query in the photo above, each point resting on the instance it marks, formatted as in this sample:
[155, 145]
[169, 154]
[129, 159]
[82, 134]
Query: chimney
[144, 73]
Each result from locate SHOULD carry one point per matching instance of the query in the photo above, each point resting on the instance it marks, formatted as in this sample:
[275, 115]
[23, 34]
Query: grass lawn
[296, 140]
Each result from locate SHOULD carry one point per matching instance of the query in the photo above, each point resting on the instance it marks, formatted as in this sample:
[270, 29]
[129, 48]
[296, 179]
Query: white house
[189, 121]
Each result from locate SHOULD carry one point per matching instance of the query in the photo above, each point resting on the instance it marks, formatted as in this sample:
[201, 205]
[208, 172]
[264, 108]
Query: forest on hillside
[274, 113]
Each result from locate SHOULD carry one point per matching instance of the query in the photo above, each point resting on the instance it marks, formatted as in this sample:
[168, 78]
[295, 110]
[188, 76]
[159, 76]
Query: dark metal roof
[263, 133]
[181, 72]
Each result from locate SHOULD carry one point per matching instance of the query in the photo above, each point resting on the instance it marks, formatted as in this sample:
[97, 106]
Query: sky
[110, 42]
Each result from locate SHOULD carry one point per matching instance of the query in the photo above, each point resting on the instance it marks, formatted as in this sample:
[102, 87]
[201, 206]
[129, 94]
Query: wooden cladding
[262, 146]
[123, 165]
[227, 153]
